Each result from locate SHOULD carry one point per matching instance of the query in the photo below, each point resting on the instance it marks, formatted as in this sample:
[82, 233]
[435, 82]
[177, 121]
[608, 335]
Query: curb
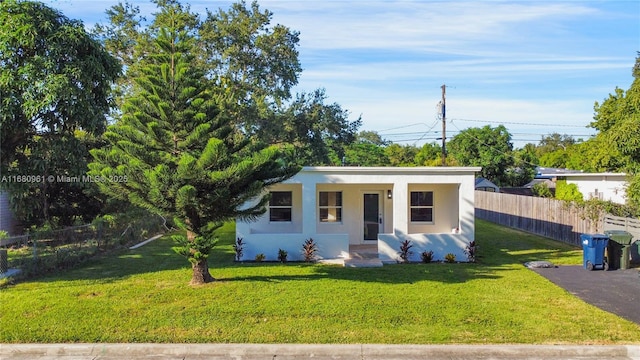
[314, 351]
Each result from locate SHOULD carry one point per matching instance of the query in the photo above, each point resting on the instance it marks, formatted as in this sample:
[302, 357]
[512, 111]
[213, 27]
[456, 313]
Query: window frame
[280, 207]
[421, 206]
[338, 207]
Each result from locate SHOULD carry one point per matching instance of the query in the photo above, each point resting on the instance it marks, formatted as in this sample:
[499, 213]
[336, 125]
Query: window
[421, 206]
[280, 206]
[330, 206]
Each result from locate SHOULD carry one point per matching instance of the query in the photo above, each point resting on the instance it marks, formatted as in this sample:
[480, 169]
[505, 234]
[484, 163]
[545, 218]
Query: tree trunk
[201, 273]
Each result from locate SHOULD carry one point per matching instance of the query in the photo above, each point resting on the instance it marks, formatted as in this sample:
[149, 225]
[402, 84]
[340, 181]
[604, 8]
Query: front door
[372, 216]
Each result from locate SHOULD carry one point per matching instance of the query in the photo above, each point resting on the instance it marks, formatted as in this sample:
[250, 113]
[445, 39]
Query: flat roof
[586, 174]
[392, 170]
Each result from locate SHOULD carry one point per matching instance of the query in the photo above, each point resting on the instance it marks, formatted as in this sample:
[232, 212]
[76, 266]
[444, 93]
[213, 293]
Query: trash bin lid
[620, 236]
[593, 236]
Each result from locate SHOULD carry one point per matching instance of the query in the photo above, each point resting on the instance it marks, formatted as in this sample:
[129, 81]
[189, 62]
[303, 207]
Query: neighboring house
[8, 221]
[483, 184]
[603, 186]
[527, 189]
[342, 208]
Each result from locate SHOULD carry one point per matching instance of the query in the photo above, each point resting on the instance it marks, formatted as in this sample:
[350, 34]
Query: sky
[536, 67]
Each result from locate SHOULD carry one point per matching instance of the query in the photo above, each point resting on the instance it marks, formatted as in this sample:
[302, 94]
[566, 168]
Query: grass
[142, 296]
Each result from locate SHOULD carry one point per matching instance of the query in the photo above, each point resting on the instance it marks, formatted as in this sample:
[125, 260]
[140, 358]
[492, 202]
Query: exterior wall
[333, 246]
[445, 208]
[264, 226]
[440, 244]
[612, 187]
[446, 239]
[352, 210]
[453, 190]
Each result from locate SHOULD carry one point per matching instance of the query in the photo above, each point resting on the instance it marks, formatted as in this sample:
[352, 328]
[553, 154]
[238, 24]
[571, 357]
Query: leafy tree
[487, 147]
[398, 155]
[633, 193]
[55, 82]
[595, 155]
[121, 37]
[254, 66]
[553, 142]
[365, 154]
[319, 132]
[366, 136]
[175, 153]
[523, 168]
[429, 155]
[617, 119]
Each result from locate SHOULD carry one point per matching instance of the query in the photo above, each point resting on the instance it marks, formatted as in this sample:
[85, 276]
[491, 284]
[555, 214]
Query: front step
[363, 263]
[363, 256]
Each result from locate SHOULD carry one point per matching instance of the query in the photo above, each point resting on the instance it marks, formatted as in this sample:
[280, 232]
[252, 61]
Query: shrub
[309, 250]
[567, 192]
[450, 258]
[405, 251]
[427, 256]
[282, 255]
[542, 190]
[470, 250]
[238, 247]
[260, 257]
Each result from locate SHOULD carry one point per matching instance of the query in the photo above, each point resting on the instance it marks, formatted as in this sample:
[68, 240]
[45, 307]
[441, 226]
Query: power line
[410, 125]
[518, 123]
[493, 148]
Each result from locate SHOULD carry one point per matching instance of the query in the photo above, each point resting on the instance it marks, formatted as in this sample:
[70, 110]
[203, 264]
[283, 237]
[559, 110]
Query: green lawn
[143, 295]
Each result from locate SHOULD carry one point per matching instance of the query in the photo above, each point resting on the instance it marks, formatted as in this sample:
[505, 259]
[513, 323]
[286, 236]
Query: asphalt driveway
[615, 291]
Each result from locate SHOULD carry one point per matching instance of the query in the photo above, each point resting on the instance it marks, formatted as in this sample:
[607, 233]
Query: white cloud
[417, 25]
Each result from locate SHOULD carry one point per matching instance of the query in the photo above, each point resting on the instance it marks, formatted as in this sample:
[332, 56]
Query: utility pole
[444, 125]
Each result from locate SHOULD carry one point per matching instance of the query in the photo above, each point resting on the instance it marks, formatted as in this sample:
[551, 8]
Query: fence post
[35, 252]
[4, 261]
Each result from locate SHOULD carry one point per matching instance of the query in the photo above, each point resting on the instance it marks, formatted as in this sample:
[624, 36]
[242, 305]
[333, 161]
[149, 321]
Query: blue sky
[536, 67]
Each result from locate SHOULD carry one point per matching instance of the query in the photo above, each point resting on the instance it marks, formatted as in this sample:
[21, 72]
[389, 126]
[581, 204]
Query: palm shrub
[471, 250]
[309, 250]
[405, 251]
[427, 256]
[238, 247]
[282, 255]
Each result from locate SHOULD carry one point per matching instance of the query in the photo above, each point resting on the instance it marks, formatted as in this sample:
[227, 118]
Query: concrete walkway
[316, 352]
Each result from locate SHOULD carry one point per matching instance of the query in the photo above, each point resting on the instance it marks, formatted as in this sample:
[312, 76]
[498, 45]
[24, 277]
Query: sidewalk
[313, 351]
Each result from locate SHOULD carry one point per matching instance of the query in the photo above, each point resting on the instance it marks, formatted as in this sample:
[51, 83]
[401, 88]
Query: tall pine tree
[176, 153]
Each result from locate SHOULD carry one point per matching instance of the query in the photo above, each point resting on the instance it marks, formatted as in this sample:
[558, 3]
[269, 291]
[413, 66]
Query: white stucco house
[345, 207]
[604, 186]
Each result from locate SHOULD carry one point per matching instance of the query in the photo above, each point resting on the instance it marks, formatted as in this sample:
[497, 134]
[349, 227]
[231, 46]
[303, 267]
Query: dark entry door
[372, 216]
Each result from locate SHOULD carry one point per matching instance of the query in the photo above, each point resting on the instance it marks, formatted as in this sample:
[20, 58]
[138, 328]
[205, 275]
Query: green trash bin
[618, 249]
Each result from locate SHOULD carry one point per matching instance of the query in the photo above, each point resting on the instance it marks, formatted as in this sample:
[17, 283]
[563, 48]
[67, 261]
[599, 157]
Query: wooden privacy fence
[542, 216]
[632, 226]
